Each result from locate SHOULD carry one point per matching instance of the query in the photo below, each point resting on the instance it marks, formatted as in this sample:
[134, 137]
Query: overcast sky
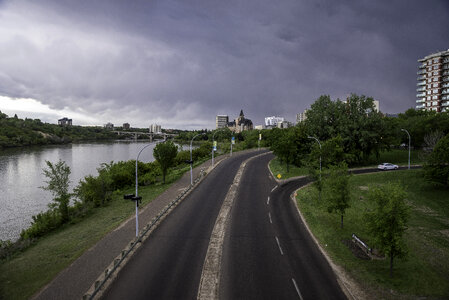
[180, 63]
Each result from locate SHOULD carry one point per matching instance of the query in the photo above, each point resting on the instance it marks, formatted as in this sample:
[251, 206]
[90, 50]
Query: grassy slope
[425, 272]
[27, 272]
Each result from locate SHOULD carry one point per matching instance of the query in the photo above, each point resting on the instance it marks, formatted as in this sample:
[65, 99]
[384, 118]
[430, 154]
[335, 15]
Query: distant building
[221, 121]
[240, 124]
[65, 122]
[154, 128]
[284, 124]
[109, 126]
[273, 121]
[259, 127]
[432, 92]
[126, 126]
[376, 105]
[301, 117]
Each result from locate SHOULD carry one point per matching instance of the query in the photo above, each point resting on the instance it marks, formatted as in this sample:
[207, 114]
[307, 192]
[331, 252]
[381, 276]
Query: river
[21, 176]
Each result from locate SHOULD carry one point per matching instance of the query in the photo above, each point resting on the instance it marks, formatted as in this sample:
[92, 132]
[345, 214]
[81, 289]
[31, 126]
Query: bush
[42, 223]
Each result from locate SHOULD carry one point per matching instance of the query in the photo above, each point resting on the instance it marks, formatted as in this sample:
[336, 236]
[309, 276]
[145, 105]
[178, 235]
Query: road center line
[274, 188]
[297, 289]
[269, 216]
[279, 245]
[268, 201]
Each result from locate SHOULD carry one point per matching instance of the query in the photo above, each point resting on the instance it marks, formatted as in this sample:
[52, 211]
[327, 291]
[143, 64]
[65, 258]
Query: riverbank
[25, 273]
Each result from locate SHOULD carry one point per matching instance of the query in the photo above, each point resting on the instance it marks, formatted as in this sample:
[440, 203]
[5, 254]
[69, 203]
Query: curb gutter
[107, 277]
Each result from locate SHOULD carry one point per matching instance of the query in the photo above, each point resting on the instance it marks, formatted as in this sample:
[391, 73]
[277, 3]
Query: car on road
[387, 166]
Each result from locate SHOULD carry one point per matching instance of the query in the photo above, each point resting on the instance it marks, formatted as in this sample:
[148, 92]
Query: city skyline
[179, 64]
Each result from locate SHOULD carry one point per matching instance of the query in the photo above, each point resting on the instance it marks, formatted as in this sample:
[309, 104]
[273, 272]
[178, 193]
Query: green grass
[28, 271]
[277, 168]
[425, 273]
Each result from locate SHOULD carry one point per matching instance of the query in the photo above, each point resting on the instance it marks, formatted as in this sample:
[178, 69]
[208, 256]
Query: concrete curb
[210, 275]
[103, 282]
[343, 279]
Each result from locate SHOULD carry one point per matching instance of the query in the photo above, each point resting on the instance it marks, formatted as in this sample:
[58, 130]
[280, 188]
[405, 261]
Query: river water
[21, 176]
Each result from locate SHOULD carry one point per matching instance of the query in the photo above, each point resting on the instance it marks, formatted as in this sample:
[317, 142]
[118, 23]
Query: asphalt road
[268, 253]
[169, 263]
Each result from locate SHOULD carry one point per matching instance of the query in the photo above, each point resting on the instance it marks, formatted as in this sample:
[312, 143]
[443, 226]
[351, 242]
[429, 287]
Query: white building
[301, 117]
[273, 121]
[154, 128]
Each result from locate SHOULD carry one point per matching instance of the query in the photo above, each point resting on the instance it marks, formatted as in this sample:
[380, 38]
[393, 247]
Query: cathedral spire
[241, 113]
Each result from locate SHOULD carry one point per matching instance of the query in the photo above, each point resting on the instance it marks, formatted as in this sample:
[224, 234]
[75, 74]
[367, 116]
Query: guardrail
[123, 255]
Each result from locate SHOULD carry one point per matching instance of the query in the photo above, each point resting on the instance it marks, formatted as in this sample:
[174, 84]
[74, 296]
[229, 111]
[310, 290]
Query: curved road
[169, 264]
[268, 253]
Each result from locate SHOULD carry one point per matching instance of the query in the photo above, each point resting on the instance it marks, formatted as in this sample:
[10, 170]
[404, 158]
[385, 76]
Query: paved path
[76, 279]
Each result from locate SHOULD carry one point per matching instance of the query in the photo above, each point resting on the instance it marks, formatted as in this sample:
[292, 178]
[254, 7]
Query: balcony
[422, 66]
[420, 95]
[421, 83]
[446, 79]
[421, 72]
[446, 91]
[422, 106]
[446, 67]
[421, 77]
[446, 60]
[445, 104]
[445, 85]
[445, 97]
[421, 101]
[421, 89]
[445, 73]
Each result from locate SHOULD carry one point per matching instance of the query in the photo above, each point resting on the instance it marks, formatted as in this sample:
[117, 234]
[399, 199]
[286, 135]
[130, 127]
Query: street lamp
[135, 197]
[213, 136]
[191, 161]
[409, 141]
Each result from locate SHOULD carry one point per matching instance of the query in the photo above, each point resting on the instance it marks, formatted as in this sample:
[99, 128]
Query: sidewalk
[76, 279]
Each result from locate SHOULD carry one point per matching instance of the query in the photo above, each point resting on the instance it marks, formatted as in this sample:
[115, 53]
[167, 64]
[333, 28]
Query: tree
[58, 184]
[165, 154]
[388, 222]
[337, 191]
[436, 169]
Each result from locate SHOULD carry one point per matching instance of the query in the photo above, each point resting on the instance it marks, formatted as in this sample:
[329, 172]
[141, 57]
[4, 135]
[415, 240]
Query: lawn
[425, 272]
[281, 168]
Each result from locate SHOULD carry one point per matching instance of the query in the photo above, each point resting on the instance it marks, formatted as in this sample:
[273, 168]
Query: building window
[435, 97]
[435, 79]
[435, 85]
[435, 91]
[428, 97]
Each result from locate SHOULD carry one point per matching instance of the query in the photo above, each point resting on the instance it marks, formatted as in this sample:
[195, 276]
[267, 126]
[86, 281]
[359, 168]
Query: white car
[387, 166]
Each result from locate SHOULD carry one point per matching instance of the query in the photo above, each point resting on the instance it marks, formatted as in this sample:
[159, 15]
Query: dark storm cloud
[180, 63]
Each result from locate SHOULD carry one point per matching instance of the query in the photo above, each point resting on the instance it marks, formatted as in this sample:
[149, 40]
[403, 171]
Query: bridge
[149, 134]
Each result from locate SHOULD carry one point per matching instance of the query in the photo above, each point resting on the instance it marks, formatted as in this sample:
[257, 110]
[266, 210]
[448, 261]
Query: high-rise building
[273, 121]
[221, 121]
[154, 128]
[301, 117]
[433, 82]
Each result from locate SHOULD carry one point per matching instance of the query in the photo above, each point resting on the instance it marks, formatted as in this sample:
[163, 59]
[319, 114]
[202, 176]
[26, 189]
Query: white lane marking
[279, 245]
[269, 216]
[297, 289]
[274, 188]
[268, 201]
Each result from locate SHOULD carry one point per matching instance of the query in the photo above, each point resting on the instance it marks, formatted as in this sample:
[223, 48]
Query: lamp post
[409, 141]
[213, 136]
[191, 161]
[135, 197]
[232, 142]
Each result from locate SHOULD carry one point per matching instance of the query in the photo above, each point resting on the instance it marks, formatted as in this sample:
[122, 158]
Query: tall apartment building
[221, 121]
[433, 82]
[301, 117]
[154, 128]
